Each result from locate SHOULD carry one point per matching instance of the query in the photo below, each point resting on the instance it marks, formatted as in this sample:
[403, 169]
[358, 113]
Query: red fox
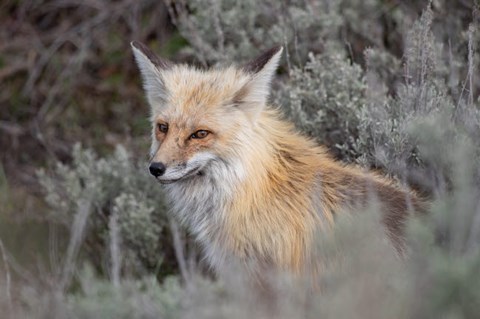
[250, 188]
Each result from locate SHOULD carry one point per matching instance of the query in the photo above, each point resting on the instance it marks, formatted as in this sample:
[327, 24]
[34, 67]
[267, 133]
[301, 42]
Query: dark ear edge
[257, 64]
[155, 59]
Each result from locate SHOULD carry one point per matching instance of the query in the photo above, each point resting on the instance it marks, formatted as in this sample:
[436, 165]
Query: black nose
[157, 169]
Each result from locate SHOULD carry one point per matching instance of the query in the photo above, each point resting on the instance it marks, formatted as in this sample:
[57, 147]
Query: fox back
[250, 188]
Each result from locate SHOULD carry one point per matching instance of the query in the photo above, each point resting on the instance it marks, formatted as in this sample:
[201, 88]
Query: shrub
[326, 99]
[112, 187]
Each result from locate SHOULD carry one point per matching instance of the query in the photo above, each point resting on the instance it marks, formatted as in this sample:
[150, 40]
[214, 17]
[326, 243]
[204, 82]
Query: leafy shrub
[240, 27]
[445, 244]
[112, 187]
[326, 99]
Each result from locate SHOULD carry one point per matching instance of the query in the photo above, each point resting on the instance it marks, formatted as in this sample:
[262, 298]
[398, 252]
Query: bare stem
[7, 277]
[178, 245]
[115, 249]
[76, 239]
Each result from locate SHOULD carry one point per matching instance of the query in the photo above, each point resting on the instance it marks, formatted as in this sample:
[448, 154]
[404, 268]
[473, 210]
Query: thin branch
[471, 66]
[7, 277]
[76, 239]
[115, 257]
[178, 245]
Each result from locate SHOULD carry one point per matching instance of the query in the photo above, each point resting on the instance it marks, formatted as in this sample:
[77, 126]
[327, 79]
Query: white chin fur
[192, 168]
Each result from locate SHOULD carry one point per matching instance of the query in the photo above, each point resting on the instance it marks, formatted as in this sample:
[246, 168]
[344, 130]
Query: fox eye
[162, 127]
[199, 134]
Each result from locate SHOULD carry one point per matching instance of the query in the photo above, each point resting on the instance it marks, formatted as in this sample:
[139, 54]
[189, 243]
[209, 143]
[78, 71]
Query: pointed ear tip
[279, 48]
[271, 56]
[277, 52]
[136, 45]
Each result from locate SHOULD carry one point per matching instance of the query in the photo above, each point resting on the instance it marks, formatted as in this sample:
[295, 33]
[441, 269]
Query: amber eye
[162, 127]
[199, 134]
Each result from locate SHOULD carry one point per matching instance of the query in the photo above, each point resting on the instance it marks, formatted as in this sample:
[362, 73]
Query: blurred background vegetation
[387, 84]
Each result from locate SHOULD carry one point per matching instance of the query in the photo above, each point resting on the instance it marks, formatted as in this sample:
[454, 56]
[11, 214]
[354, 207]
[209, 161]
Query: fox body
[251, 189]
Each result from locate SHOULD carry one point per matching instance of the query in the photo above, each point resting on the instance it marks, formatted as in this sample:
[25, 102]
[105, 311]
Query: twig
[471, 51]
[12, 70]
[469, 76]
[76, 239]
[218, 27]
[53, 248]
[7, 277]
[114, 249]
[474, 234]
[11, 128]
[179, 254]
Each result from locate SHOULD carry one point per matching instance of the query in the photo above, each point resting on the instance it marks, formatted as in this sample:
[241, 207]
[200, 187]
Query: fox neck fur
[267, 207]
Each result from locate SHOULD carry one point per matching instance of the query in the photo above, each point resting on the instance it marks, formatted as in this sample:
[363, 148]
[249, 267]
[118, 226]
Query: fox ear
[151, 67]
[254, 94]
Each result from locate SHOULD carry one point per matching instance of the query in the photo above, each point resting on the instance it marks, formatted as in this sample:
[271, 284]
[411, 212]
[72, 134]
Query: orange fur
[253, 191]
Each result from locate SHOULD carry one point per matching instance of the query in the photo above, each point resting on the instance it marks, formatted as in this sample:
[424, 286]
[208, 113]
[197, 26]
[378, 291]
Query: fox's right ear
[151, 67]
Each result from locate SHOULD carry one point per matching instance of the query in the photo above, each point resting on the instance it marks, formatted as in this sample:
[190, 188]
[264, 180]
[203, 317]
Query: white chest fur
[201, 204]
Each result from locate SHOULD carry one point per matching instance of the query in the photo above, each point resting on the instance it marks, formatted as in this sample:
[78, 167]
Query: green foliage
[111, 186]
[239, 27]
[326, 99]
[143, 298]
[445, 244]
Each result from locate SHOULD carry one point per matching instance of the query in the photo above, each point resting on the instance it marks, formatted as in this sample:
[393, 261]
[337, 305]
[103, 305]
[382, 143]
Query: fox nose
[157, 169]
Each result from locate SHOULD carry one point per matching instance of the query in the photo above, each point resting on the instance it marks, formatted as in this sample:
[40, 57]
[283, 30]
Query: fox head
[200, 117]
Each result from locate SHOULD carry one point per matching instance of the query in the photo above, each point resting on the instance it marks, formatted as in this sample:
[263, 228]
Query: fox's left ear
[151, 67]
[254, 94]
